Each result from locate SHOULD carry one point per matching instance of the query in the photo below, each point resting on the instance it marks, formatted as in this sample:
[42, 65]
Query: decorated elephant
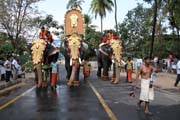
[74, 50]
[108, 53]
[42, 55]
[116, 58]
[104, 54]
[74, 47]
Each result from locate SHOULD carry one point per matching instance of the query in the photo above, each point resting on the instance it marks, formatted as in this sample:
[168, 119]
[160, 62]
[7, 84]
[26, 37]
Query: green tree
[6, 50]
[135, 31]
[156, 5]
[16, 19]
[93, 39]
[48, 22]
[115, 12]
[172, 9]
[100, 7]
[76, 3]
[88, 24]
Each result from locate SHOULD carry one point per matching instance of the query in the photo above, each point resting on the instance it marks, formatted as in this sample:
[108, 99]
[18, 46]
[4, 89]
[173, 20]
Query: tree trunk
[101, 24]
[115, 4]
[178, 38]
[154, 27]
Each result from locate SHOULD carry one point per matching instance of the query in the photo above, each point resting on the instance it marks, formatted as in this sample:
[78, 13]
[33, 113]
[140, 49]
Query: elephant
[107, 54]
[104, 54]
[42, 55]
[74, 51]
[116, 47]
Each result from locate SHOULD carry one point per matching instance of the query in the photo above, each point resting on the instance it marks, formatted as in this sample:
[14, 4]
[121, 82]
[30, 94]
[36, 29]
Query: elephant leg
[36, 76]
[99, 71]
[39, 74]
[45, 78]
[67, 67]
[105, 70]
[69, 72]
[77, 73]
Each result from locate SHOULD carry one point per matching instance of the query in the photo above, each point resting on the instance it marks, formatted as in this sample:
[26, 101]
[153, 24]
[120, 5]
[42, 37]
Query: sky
[57, 8]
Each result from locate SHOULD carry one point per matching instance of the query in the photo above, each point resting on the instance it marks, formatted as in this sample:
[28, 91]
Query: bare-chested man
[147, 92]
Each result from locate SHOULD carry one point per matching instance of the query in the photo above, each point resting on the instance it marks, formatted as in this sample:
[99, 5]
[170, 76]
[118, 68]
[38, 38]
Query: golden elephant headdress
[38, 47]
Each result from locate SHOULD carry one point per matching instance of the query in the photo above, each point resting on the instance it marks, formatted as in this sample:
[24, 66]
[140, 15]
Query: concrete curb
[11, 88]
[6, 85]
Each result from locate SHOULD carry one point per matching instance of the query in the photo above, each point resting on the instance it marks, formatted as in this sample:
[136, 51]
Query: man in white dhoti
[147, 90]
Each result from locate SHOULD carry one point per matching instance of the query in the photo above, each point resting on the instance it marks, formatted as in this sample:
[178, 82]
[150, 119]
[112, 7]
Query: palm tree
[78, 3]
[87, 20]
[154, 26]
[115, 8]
[99, 7]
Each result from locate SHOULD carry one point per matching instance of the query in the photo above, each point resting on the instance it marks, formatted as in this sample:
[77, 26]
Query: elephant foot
[113, 79]
[53, 88]
[98, 75]
[69, 83]
[116, 82]
[76, 83]
[105, 78]
[44, 84]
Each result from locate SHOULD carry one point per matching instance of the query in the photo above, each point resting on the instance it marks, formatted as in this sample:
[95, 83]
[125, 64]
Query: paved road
[63, 104]
[81, 103]
[166, 105]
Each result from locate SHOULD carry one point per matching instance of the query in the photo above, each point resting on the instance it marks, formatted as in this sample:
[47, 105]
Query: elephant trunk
[73, 73]
[39, 74]
[116, 73]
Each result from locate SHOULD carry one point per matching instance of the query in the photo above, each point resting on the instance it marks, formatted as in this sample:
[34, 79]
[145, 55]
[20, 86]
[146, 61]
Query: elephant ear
[38, 47]
[117, 49]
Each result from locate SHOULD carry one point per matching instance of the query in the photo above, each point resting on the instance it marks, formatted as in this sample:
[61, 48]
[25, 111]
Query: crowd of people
[10, 69]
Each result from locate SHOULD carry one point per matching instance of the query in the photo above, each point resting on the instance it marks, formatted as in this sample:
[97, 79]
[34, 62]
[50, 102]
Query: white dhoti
[146, 93]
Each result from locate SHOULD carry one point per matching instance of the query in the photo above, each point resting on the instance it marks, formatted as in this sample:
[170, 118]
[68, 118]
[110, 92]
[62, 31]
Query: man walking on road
[178, 73]
[147, 91]
[7, 65]
[129, 69]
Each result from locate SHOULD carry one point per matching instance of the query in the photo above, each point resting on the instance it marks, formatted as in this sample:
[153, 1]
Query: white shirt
[2, 69]
[7, 65]
[19, 69]
[178, 67]
[156, 59]
[14, 62]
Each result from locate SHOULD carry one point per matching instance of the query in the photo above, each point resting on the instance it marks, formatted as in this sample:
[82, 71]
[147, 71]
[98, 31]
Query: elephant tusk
[80, 61]
[71, 62]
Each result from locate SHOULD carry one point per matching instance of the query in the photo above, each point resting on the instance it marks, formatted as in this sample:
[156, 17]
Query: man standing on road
[7, 65]
[14, 68]
[178, 73]
[129, 69]
[147, 91]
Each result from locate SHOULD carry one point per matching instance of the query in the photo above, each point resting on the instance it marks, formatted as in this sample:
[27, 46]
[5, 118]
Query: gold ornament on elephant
[116, 47]
[38, 47]
[74, 44]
